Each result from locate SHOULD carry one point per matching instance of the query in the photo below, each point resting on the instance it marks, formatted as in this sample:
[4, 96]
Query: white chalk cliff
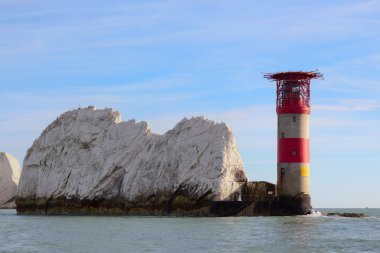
[89, 159]
[9, 177]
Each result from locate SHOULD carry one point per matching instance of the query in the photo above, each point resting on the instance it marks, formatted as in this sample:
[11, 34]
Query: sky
[161, 61]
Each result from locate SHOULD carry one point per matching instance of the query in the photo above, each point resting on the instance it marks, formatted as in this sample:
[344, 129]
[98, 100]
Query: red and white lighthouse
[293, 162]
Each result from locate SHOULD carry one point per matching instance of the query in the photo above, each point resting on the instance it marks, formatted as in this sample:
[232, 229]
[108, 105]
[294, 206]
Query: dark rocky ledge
[155, 205]
[178, 206]
[349, 215]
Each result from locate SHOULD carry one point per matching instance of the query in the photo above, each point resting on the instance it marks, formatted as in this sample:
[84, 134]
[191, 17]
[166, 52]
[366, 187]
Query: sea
[313, 233]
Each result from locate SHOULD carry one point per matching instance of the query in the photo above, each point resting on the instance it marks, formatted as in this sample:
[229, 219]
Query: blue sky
[160, 61]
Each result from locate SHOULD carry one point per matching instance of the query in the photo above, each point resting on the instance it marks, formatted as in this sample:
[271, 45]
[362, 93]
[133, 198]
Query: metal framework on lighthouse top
[293, 87]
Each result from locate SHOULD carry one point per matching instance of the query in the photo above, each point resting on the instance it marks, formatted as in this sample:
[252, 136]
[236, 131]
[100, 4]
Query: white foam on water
[314, 213]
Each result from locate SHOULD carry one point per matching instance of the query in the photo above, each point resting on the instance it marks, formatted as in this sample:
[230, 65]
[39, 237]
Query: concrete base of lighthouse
[299, 205]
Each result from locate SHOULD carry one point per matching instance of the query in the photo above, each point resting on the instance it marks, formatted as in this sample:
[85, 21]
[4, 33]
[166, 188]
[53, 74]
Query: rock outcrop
[88, 161]
[9, 176]
[348, 215]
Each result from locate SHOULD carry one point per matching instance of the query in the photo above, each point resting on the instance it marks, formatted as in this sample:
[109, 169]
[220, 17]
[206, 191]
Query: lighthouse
[293, 160]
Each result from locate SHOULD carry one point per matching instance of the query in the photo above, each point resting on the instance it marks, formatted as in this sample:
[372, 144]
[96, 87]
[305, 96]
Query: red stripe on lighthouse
[293, 150]
[293, 109]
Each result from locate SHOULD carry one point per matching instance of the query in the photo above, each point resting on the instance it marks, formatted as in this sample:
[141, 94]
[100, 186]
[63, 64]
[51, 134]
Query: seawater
[51, 234]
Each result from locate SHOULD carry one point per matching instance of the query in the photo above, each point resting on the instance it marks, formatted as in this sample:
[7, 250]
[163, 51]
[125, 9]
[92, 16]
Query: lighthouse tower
[293, 109]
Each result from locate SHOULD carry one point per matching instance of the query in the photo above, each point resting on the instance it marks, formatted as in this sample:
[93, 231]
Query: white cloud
[349, 105]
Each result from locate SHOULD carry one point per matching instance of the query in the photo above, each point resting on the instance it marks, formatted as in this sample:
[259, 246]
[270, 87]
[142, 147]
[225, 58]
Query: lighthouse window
[282, 135]
[295, 89]
[294, 118]
[294, 152]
